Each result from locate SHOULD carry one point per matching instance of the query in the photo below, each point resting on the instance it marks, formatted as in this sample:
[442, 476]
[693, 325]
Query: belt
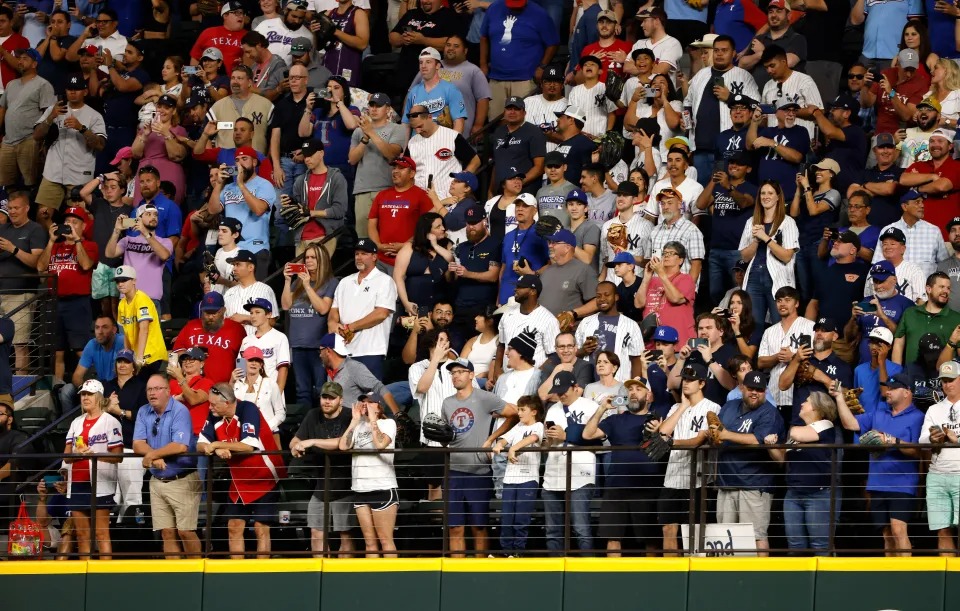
[180, 475]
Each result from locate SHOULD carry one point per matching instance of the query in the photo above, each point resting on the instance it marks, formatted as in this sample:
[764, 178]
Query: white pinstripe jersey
[689, 425]
[595, 105]
[540, 112]
[236, 296]
[276, 350]
[775, 338]
[798, 87]
[540, 323]
[787, 235]
[435, 155]
[682, 231]
[628, 341]
[911, 281]
[638, 239]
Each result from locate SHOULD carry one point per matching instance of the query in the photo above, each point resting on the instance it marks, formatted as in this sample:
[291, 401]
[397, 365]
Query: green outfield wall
[434, 584]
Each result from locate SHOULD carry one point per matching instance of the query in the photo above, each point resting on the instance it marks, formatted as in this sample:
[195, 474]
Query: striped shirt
[911, 281]
[594, 104]
[682, 231]
[689, 424]
[638, 242]
[236, 296]
[787, 235]
[737, 80]
[775, 338]
[925, 246]
[541, 113]
[540, 323]
[798, 87]
[431, 402]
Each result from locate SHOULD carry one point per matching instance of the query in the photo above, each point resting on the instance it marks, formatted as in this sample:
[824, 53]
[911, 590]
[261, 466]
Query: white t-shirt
[235, 297]
[280, 37]
[354, 299]
[275, 347]
[527, 469]
[225, 269]
[667, 49]
[583, 464]
[373, 471]
[104, 435]
[326, 5]
[947, 460]
[267, 396]
[690, 190]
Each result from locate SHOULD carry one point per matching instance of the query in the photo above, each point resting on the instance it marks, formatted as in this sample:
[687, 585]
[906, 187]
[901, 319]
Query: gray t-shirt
[552, 201]
[589, 233]
[951, 267]
[69, 161]
[14, 275]
[472, 420]
[373, 171]
[356, 380]
[24, 104]
[601, 208]
[567, 286]
[307, 325]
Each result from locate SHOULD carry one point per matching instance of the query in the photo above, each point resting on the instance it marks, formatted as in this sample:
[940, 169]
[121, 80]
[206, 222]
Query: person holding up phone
[942, 425]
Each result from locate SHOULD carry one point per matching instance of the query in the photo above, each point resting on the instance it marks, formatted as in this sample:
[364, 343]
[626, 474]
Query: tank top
[482, 354]
[339, 58]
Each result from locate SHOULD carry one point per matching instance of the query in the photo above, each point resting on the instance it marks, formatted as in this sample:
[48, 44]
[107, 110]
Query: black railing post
[702, 535]
[208, 486]
[93, 508]
[446, 505]
[567, 501]
[833, 502]
[694, 501]
[327, 471]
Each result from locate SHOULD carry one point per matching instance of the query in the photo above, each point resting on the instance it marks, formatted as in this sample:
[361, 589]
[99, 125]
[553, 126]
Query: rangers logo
[444, 154]
[248, 429]
[462, 420]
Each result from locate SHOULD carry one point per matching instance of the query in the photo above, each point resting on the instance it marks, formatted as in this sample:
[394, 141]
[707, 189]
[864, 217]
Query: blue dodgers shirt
[892, 470]
[748, 469]
[520, 243]
[517, 40]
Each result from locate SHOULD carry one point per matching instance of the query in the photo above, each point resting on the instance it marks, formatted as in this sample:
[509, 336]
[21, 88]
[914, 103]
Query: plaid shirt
[682, 231]
[925, 246]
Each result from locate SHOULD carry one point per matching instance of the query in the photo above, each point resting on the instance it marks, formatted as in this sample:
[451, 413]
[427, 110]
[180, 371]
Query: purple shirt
[138, 253]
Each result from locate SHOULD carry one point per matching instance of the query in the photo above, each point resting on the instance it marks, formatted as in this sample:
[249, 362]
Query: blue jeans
[806, 519]
[518, 505]
[401, 394]
[310, 375]
[553, 510]
[809, 268]
[554, 8]
[703, 161]
[719, 263]
[499, 467]
[760, 289]
[373, 362]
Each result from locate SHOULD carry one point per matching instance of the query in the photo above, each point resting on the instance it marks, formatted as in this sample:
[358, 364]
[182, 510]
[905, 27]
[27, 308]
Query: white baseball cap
[881, 333]
[124, 272]
[431, 53]
[92, 386]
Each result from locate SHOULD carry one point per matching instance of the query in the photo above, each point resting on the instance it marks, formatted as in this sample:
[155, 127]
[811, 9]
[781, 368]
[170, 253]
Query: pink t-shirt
[680, 317]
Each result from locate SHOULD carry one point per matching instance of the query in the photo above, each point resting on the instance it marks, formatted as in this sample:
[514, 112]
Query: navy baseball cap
[622, 257]
[826, 324]
[901, 380]
[234, 225]
[530, 281]
[846, 102]
[885, 140]
[474, 214]
[666, 335]
[196, 353]
[466, 177]
[741, 100]
[329, 341]
[259, 302]
[125, 355]
[379, 99]
[366, 245]
[243, 256]
[628, 188]
[694, 371]
[562, 382]
[756, 380]
[564, 236]
[881, 270]
[577, 195]
[75, 82]
[515, 102]
[461, 364]
[910, 195]
[372, 397]
[892, 233]
[950, 224]
[552, 73]
[211, 302]
[29, 52]
[741, 265]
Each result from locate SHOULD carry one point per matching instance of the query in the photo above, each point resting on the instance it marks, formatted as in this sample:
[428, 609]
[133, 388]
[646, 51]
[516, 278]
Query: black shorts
[633, 508]
[376, 500]
[886, 506]
[79, 500]
[262, 510]
[673, 506]
[74, 320]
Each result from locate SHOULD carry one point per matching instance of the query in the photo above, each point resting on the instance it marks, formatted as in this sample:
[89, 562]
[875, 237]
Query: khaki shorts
[745, 507]
[501, 90]
[23, 319]
[51, 195]
[19, 160]
[362, 202]
[176, 503]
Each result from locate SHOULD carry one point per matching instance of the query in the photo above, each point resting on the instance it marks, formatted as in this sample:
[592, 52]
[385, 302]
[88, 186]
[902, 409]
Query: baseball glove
[805, 373]
[611, 149]
[614, 85]
[851, 396]
[566, 321]
[323, 36]
[210, 266]
[697, 4]
[872, 439]
[436, 429]
[547, 225]
[296, 215]
[715, 427]
[617, 237]
[655, 446]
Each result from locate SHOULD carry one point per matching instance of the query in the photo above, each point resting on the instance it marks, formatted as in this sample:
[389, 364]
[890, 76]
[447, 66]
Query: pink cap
[124, 153]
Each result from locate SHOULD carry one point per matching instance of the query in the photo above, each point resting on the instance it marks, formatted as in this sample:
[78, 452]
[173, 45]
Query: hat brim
[250, 306]
[561, 390]
[123, 279]
[750, 386]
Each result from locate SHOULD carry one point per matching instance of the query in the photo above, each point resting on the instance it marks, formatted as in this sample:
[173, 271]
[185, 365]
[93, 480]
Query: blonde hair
[951, 82]
[324, 268]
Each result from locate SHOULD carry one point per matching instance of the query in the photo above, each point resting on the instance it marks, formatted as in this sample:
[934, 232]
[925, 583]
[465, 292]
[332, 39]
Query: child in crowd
[522, 478]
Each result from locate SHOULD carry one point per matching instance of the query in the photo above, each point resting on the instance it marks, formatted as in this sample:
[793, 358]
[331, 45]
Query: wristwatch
[83, 129]
[365, 139]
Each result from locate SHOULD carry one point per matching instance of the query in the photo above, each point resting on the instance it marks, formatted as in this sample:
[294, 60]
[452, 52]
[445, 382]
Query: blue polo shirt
[520, 243]
[172, 426]
[101, 359]
[869, 380]
[751, 469]
[893, 471]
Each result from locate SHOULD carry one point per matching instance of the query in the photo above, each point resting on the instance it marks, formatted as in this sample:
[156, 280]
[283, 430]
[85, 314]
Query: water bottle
[138, 516]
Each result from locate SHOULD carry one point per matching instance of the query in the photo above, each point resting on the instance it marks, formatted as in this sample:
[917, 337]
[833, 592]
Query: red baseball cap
[404, 161]
[782, 4]
[249, 151]
[78, 212]
[516, 3]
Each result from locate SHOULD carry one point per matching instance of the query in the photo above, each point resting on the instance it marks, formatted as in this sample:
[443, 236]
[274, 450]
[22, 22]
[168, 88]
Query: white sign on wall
[721, 539]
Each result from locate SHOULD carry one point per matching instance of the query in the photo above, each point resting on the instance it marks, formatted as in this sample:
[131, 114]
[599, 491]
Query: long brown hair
[779, 213]
[324, 269]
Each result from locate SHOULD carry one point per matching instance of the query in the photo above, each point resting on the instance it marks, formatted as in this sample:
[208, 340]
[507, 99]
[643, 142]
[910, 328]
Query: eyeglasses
[856, 207]
[858, 77]
[104, 21]
[669, 253]
[296, 78]
[156, 426]
[218, 392]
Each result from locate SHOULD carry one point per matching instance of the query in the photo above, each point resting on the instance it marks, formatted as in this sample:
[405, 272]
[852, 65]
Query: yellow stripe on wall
[751, 564]
[296, 565]
[32, 567]
[871, 565]
[626, 565]
[498, 565]
[381, 565]
[99, 567]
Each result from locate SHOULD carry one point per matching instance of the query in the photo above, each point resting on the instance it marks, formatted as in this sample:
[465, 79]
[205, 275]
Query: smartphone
[933, 429]
[286, 74]
[649, 92]
[867, 306]
[191, 70]
[51, 480]
[768, 109]
[242, 365]
[298, 268]
[834, 233]
[695, 342]
[423, 311]
[231, 170]
[718, 81]
[128, 222]
[323, 94]
[654, 354]
[95, 33]
[224, 124]
[550, 423]
[66, 5]
[430, 181]
[173, 358]
[64, 230]
[806, 341]
[719, 165]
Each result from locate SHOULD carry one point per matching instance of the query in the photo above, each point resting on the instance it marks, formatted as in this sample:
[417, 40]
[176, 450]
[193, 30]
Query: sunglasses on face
[858, 77]
[156, 426]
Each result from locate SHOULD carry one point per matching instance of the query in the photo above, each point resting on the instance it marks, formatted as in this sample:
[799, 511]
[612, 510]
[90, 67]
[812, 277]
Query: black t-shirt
[477, 258]
[316, 426]
[119, 109]
[132, 397]
[884, 209]
[714, 390]
[577, 151]
[839, 285]
[850, 155]
[104, 220]
[728, 217]
[625, 295]
[515, 151]
[708, 116]
[7, 330]
[440, 24]
[56, 72]
[286, 117]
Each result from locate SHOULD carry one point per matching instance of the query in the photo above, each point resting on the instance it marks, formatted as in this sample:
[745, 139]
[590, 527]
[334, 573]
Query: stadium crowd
[693, 225]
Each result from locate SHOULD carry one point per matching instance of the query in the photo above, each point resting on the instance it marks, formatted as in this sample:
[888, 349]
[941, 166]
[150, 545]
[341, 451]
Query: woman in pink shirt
[668, 292]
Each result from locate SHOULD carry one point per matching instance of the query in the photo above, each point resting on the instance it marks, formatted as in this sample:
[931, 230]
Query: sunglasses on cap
[414, 115]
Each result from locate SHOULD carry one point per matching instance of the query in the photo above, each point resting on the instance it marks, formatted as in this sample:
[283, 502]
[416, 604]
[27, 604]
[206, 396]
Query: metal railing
[423, 527]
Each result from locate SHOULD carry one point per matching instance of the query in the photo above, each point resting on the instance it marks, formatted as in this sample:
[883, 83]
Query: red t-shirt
[910, 91]
[220, 37]
[12, 43]
[397, 213]
[80, 471]
[72, 281]
[680, 317]
[187, 233]
[606, 55]
[201, 411]
[939, 209]
[222, 347]
[315, 184]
